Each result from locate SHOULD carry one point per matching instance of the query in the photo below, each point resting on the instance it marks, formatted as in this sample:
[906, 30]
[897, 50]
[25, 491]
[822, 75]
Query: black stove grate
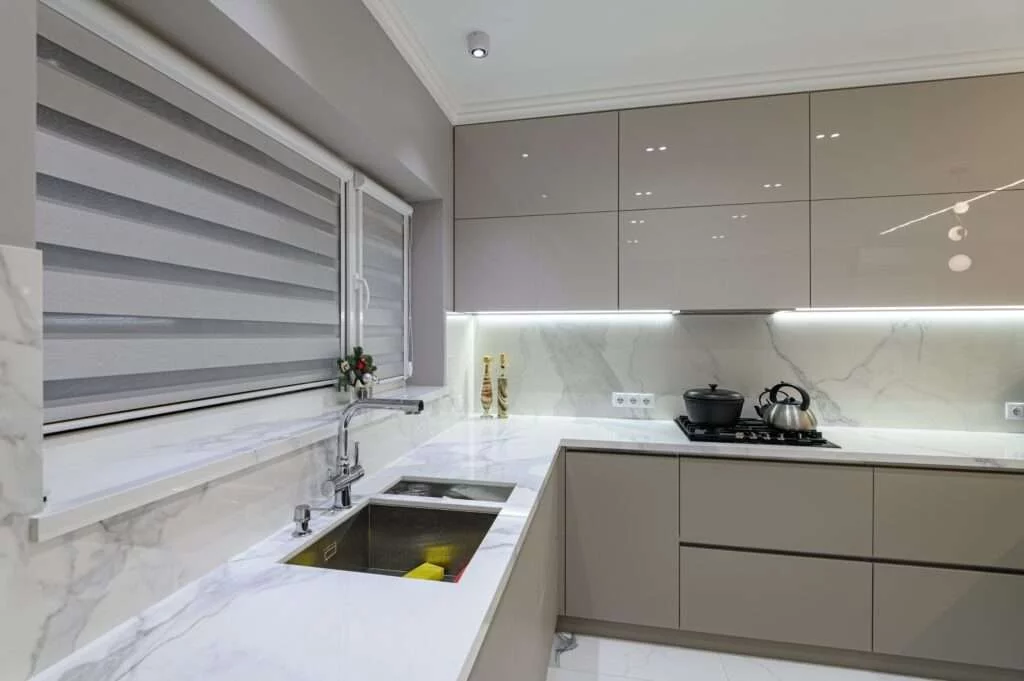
[752, 432]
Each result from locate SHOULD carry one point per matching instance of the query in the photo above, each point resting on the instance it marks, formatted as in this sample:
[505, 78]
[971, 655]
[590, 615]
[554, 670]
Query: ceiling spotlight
[662, 148]
[479, 44]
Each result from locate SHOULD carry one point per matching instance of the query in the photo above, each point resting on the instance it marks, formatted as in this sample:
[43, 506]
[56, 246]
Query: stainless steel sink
[445, 489]
[391, 540]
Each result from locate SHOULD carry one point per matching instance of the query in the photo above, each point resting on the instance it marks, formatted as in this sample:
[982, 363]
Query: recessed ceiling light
[632, 222]
[649, 149]
[642, 221]
[743, 216]
[648, 193]
[525, 155]
[767, 186]
[638, 193]
[543, 196]
[777, 185]
[834, 135]
[662, 148]
[820, 136]
[479, 44]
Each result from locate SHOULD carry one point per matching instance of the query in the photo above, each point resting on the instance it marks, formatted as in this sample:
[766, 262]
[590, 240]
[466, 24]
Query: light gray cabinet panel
[737, 151]
[961, 518]
[517, 646]
[551, 262]
[757, 255]
[621, 533]
[564, 164]
[952, 615]
[780, 506]
[813, 601]
[854, 264]
[921, 138]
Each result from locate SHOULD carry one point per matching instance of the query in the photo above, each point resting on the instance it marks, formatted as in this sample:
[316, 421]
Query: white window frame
[357, 291]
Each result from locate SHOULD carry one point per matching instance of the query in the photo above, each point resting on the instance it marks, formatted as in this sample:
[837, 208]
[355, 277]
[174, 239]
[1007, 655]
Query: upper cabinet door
[713, 153]
[749, 257]
[933, 256]
[923, 138]
[543, 166]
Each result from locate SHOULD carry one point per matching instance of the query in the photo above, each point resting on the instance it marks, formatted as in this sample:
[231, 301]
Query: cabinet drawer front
[664, 253]
[547, 262]
[950, 615]
[813, 601]
[780, 506]
[961, 518]
[621, 547]
[570, 166]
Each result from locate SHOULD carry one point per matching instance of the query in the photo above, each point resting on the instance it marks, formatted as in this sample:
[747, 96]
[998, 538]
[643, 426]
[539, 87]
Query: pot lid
[713, 393]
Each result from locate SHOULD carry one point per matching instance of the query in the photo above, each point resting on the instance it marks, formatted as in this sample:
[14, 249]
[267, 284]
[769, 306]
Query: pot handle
[805, 403]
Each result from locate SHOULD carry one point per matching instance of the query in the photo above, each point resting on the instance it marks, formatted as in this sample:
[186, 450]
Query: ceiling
[565, 56]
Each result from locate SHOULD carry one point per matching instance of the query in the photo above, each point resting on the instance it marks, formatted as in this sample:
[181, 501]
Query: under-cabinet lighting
[978, 313]
[579, 317]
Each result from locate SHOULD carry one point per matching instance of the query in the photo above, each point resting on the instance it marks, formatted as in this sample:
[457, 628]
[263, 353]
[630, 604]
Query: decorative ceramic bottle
[486, 389]
[502, 386]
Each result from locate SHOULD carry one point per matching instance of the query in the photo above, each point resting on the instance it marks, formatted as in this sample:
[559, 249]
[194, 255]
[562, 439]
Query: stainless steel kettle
[779, 409]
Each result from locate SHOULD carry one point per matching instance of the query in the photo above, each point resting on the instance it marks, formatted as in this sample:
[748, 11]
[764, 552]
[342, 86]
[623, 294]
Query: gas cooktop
[752, 432]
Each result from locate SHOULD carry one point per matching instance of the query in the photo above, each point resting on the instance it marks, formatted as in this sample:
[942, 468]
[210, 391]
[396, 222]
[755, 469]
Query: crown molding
[746, 85]
[397, 27]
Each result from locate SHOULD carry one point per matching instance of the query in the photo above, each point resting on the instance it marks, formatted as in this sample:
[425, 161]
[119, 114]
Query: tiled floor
[600, 659]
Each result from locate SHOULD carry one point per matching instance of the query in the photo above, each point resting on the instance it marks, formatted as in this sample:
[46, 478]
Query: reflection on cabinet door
[921, 263]
[922, 138]
[622, 538]
[753, 257]
[813, 601]
[711, 153]
[565, 164]
[550, 262]
[951, 615]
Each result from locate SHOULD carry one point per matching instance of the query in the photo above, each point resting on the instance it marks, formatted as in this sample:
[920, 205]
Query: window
[187, 254]
[379, 242]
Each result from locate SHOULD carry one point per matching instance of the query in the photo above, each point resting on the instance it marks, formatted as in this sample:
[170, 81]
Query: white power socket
[1014, 411]
[633, 400]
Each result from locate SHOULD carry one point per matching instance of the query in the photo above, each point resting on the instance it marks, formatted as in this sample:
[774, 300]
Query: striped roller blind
[186, 255]
[385, 316]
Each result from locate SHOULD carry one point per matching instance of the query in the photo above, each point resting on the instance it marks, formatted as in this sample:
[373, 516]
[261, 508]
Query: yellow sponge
[427, 571]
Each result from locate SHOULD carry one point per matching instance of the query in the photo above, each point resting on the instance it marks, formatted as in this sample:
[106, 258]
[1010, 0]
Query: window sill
[95, 475]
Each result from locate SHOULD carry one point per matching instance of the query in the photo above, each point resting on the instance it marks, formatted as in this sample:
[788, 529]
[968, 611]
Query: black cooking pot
[713, 406]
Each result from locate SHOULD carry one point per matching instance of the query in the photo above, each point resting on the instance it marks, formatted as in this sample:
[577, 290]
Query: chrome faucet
[348, 470]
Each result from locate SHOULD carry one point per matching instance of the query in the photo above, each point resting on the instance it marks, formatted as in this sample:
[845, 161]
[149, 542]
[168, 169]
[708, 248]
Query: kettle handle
[804, 397]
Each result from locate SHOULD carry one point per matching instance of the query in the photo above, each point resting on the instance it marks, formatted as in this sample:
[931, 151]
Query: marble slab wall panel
[935, 370]
[460, 373]
[21, 419]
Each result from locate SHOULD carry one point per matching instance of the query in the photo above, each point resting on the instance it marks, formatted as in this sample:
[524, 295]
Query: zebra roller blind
[385, 293]
[186, 255]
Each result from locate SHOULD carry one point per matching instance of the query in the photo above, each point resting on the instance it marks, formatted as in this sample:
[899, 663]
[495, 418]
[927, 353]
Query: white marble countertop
[255, 618]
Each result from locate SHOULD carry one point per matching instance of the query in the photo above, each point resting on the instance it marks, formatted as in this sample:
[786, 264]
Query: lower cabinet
[622, 538]
[951, 615]
[517, 646]
[812, 601]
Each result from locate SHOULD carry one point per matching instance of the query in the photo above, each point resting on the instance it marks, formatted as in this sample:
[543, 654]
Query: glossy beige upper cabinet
[543, 166]
[748, 257]
[924, 259]
[546, 262]
[711, 153]
[922, 138]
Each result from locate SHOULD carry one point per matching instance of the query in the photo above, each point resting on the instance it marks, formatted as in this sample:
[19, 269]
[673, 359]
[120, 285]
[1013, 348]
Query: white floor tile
[600, 659]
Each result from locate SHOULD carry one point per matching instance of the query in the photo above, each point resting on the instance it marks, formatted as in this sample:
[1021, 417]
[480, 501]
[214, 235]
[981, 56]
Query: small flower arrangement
[357, 368]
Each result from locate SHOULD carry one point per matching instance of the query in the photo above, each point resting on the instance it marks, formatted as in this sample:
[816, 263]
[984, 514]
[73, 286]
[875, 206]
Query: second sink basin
[446, 489]
[391, 540]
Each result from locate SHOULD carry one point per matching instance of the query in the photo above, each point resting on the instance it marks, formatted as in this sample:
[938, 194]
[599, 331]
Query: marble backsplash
[949, 370]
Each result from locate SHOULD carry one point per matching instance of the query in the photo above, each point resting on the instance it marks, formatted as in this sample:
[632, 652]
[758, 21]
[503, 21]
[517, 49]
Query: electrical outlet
[1015, 411]
[633, 400]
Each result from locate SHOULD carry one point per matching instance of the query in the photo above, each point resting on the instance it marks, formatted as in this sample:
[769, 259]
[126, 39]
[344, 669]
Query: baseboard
[891, 664]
